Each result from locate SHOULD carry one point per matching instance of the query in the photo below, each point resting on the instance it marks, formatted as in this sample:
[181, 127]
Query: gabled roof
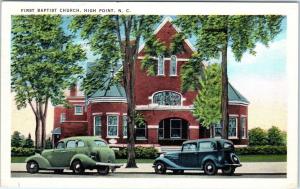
[235, 97]
[110, 90]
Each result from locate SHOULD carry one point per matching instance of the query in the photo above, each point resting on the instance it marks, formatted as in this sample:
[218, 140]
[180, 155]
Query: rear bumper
[111, 165]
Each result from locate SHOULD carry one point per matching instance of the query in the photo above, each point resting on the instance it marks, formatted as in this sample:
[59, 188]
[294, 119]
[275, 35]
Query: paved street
[145, 170]
[69, 174]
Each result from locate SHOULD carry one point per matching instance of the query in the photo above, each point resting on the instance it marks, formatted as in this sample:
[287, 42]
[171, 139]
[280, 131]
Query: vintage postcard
[145, 95]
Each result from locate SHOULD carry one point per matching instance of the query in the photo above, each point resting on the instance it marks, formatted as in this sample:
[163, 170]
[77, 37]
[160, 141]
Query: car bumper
[234, 165]
[111, 165]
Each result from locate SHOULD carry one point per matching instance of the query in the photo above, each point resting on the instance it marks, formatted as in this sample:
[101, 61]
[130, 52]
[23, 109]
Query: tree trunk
[224, 99]
[37, 133]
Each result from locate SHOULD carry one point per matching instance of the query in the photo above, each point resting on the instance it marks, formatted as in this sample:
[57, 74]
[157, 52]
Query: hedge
[140, 153]
[261, 150]
[20, 151]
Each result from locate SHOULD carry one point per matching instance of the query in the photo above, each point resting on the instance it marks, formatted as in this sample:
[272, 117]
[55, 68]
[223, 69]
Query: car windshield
[100, 143]
[227, 145]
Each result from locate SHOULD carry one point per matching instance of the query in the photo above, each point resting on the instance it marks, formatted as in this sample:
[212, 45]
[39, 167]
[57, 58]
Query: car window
[60, 145]
[207, 146]
[189, 147]
[71, 144]
[80, 143]
[100, 143]
[227, 145]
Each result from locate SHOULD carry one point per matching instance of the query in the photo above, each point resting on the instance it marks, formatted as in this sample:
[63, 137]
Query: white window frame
[220, 126]
[236, 126]
[176, 128]
[143, 137]
[163, 65]
[171, 66]
[107, 126]
[163, 129]
[244, 134]
[124, 115]
[62, 117]
[97, 126]
[75, 112]
[181, 97]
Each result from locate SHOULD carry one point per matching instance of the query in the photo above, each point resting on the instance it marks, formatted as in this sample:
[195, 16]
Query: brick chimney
[73, 90]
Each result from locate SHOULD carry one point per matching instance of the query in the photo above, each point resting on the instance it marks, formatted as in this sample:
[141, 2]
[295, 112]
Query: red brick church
[166, 110]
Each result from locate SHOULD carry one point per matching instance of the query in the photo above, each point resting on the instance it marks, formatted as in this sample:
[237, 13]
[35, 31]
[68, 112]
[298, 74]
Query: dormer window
[167, 98]
[173, 66]
[160, 66]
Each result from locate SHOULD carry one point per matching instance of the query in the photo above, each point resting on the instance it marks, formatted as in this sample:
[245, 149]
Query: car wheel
[228, 170]
[32, 167]
[160, 168]
[77, 167]
[58, 171]
[210, 168]
[178, 171]
[103, 170]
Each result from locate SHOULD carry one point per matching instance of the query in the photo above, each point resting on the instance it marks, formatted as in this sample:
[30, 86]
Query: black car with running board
[208, 155]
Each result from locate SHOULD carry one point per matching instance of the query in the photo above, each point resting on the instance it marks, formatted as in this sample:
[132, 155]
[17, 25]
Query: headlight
[162, 155]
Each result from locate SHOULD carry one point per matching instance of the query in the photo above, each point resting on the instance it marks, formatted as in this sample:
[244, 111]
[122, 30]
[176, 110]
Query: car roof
[85, 138]
[208, 140]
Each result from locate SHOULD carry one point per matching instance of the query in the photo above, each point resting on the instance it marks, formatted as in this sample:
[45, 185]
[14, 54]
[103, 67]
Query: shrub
[19, 151]
[258, 137]
[17, 139]
[275, 136]
[261, 150]
[140, 153]
[28, 143]
[48, 144]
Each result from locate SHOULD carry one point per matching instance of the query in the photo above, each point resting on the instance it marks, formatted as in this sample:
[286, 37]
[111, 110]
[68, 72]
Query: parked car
[203, 154]
[75, 153]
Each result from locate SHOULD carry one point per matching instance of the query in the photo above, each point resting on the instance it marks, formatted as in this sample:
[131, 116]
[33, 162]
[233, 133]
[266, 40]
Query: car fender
[168, 162]
[42, 162]
[211, 158]
[85, 160]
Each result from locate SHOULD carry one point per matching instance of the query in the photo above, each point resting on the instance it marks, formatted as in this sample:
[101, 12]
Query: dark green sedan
[77, 154]
[203, 154]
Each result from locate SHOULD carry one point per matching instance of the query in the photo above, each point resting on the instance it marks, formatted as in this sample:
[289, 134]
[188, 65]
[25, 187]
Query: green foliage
[262, 150]
[19, 151]
[48, 144]
[110, 37]
[276, 136]
[208, 101]
[139, 119]
[239, 32]
[258, 137]
[28, 143]
[17, 139]
[141, 153]
[44, 59]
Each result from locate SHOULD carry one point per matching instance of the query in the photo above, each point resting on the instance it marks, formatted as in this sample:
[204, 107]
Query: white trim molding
[107, 99]
[97, 113]
[107, 126]
[76, 101]
[155, 58]
[161, 107]
[112, 113]
[238, 103]
[181, 97]
[194, 127]
[152, 126]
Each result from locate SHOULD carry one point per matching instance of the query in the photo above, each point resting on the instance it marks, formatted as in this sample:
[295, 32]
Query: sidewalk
[257, 167]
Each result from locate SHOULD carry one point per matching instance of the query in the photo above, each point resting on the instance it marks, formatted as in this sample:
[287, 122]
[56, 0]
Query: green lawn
[244, 158]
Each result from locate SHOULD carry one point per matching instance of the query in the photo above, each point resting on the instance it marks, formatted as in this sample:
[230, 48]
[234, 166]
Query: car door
[189, 155]
[71, 150]
[57, 157]
[207, 148]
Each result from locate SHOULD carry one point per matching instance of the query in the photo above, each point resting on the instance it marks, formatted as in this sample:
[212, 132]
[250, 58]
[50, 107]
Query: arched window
[173, 66]
[160, 66]
[167, 98]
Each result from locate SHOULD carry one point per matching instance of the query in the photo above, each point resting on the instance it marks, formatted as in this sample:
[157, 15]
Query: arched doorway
[172, 131]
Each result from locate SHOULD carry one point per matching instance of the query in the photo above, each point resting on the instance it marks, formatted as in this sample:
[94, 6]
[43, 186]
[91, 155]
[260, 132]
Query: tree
[115, 39]
[208, 101]
[28, 143]
[44, 64]
[17, 139]
[215, 34]
[275, 136]
[258, 137]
